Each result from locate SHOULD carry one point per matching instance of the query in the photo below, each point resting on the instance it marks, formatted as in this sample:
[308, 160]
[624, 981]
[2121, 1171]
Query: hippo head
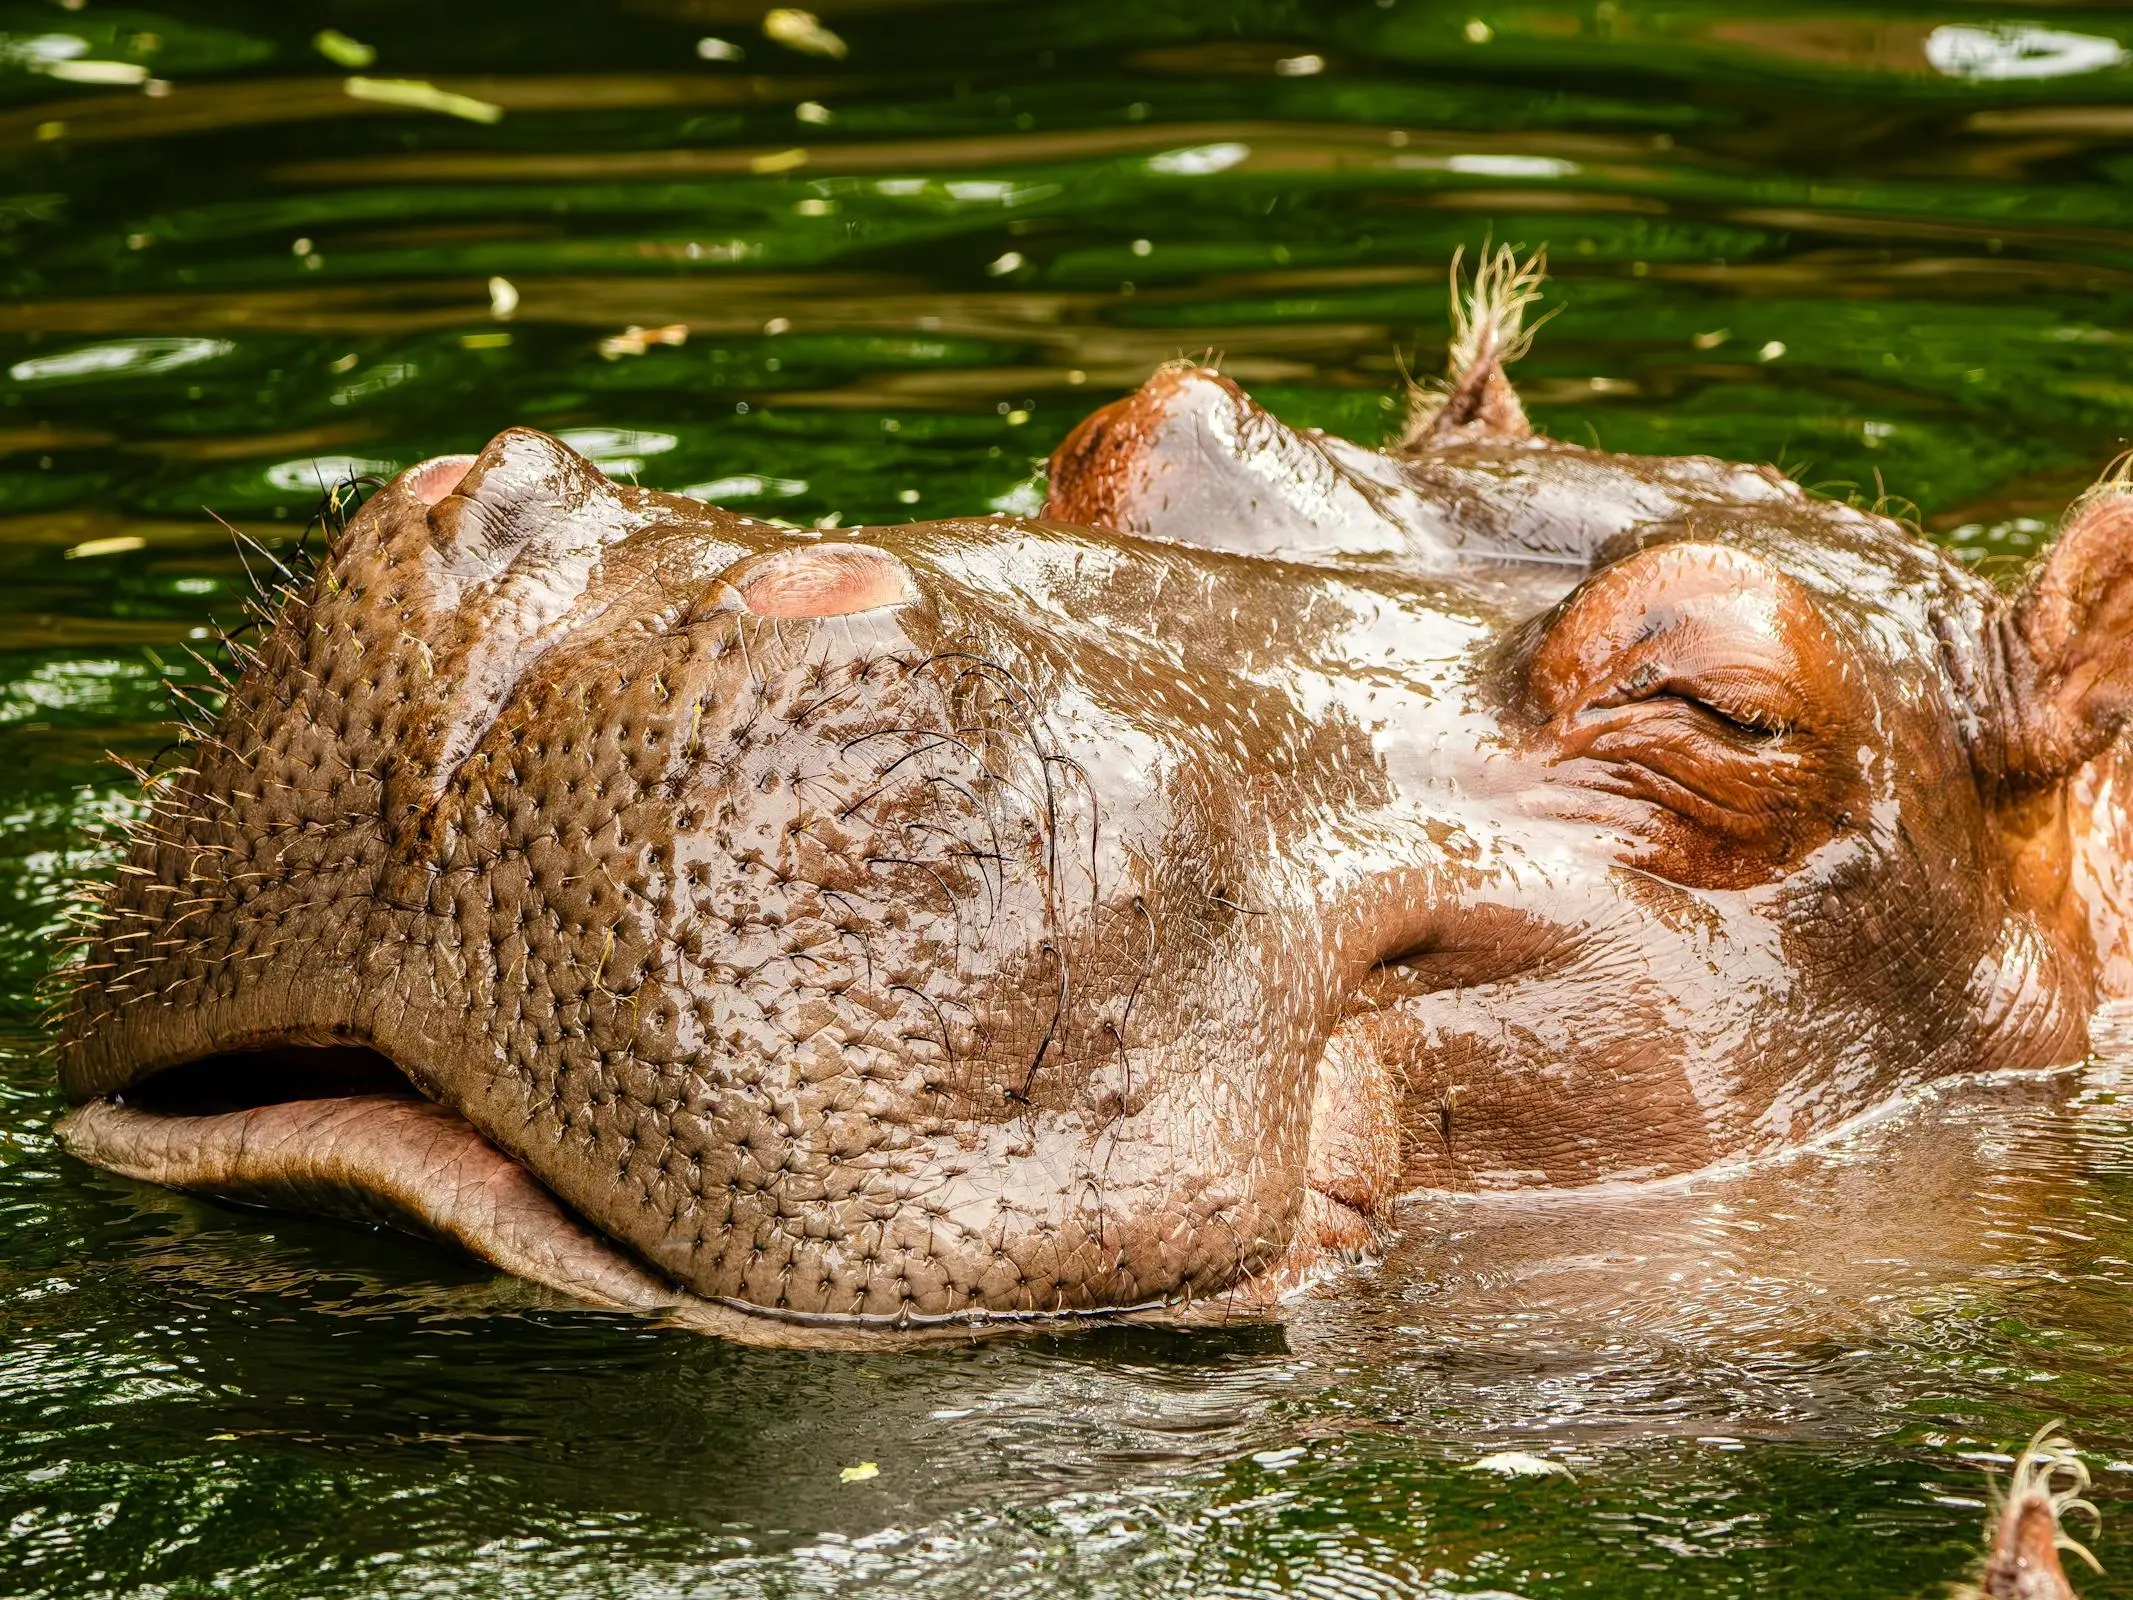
[990, 918]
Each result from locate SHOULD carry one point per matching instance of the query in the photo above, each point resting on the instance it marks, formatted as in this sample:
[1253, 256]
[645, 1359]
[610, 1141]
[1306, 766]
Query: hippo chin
[992, 919]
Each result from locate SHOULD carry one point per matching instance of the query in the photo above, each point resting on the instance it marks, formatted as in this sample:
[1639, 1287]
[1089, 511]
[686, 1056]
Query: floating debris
[414, 94]
[744, 486]
[634, 341]
[117, 544]
[343, 51]
[120, 73]
[1519, 1464]
[803, 31]
[860, 1473]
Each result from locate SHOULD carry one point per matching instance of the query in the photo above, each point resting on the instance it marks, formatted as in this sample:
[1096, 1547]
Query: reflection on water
[1888, 250]
[1783, 1367]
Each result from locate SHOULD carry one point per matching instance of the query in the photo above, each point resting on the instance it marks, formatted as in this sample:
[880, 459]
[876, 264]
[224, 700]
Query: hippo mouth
[337, 1129]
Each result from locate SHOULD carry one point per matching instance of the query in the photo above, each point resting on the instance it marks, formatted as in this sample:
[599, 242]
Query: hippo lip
[338, 1129]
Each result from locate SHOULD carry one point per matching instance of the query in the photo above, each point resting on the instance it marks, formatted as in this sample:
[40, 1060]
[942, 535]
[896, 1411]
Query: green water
[1886, 248]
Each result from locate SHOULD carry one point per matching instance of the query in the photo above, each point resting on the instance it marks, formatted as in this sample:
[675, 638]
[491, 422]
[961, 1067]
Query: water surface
[1886, 247]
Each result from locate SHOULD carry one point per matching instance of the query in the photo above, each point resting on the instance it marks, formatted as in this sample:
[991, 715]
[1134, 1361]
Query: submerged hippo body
[985, 919]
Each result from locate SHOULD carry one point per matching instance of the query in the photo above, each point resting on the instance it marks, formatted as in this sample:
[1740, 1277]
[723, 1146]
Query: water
[1886, 248]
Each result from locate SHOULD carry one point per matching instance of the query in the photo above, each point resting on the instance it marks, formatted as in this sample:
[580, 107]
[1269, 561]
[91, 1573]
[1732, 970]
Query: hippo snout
[781, 910]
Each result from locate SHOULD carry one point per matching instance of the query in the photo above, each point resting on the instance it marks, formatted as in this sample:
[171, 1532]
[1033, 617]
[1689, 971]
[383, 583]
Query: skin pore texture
[817, 938]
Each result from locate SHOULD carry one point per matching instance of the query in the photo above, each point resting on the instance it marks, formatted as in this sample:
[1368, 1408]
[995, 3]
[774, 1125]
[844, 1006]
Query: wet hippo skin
[812, 937]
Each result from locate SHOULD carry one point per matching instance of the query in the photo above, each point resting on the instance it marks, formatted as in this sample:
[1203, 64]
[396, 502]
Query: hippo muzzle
[991, 919]
[680, 909]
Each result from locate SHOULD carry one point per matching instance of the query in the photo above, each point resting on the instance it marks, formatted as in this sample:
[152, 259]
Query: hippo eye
[1700, 702]
[1710, 630]
[1743, 704]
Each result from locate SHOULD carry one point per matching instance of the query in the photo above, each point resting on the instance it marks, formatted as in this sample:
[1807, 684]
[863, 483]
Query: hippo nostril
[432, 480]
[524, 490]
[824, 580]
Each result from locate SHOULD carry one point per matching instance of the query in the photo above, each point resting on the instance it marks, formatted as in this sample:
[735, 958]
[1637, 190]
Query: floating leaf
[118, 544]
[122, 73]
[634, 341]
[1518, 1464]
[803, 31]
[860, 1473]
[118, 358]
[414, 94]
[341, 50]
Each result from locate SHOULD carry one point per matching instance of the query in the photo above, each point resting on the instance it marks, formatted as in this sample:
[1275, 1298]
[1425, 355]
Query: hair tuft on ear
[1489, 332]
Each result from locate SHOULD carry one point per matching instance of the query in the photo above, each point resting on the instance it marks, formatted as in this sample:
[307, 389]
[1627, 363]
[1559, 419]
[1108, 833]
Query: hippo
[823, 938]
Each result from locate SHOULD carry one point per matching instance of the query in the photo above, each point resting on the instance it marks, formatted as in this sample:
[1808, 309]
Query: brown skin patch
[2028, 1532]
[1088, 469]
[2024, 1561]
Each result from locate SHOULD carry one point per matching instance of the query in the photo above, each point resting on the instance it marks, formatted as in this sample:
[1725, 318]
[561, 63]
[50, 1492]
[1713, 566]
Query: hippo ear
[1489, 332]
[2070, 643]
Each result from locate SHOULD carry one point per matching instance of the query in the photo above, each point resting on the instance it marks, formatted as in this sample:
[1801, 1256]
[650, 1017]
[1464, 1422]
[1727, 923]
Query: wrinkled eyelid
[1756, 722]
[1717, 622]
[1650, 683]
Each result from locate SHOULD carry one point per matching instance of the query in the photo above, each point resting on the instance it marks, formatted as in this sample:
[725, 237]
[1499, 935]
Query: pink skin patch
[432, 480]
[826, 580]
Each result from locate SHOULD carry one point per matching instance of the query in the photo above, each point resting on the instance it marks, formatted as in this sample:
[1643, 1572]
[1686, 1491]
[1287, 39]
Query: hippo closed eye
[991, 918]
